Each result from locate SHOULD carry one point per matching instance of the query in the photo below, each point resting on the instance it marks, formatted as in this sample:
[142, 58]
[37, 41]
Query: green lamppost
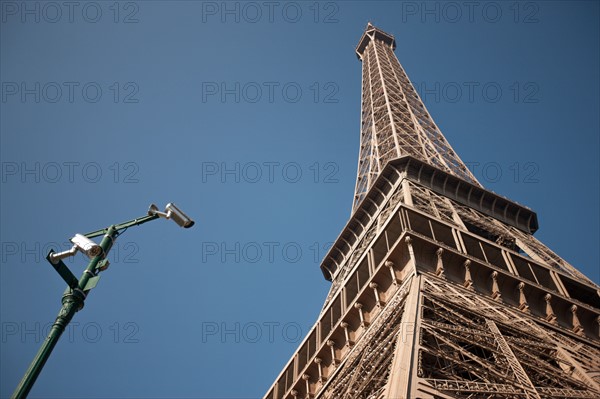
[78, 290]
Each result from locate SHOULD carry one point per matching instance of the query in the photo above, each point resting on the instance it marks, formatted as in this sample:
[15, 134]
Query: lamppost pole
[78, 290]
[72, 301]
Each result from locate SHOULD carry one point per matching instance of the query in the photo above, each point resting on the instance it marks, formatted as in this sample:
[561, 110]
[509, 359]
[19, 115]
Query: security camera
[178, 216]
[173, 213]
[87, 246]
[81, 243]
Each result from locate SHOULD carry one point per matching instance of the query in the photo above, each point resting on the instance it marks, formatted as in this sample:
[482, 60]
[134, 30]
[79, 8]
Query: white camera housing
[174, 213]
[178, 216]
[87, 246]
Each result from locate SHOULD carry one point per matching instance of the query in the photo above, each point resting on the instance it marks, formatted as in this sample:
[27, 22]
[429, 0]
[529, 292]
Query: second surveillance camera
[173, 213]
[178, 216]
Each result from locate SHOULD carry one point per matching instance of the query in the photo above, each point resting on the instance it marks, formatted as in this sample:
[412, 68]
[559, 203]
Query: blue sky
[247, 116]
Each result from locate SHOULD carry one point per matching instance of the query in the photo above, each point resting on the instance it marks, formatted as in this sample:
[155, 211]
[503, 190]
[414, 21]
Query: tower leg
[403, 366]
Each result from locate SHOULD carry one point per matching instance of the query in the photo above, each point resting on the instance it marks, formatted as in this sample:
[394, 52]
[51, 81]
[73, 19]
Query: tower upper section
[372, 33]
[394, 120]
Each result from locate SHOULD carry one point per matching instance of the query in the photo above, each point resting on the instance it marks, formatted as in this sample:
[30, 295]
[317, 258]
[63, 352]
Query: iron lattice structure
[439, 289]
[394, 120]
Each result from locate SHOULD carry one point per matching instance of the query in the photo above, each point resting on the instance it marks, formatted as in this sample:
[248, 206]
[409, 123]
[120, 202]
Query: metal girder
[516, 367]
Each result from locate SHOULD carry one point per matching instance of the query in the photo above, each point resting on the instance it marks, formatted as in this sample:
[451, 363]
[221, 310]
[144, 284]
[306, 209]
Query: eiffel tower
[439, 288]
